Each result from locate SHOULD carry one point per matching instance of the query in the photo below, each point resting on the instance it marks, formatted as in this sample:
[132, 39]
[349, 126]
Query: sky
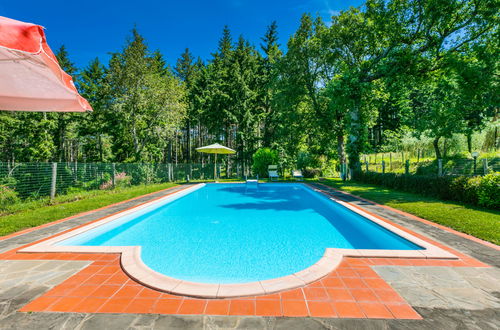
[92, 28]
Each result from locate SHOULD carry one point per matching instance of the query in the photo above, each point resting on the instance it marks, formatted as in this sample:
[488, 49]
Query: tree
[397, 38]
[186, 70]
[148, 102]
[66, 122]
[95, 127]
[267, 80]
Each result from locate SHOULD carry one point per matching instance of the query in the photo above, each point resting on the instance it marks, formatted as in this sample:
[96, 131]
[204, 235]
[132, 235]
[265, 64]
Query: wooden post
[383, 166]
[407, 166]
[440, 167]
[53, 181]
[366, 164]
[485, 166]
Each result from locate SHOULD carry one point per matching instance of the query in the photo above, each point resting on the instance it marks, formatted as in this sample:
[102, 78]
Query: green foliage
[262, 158]
[386, 76]
[305, 159]
[7, 196]
[482, 191]
[310, 172]
[465, 189]
[489, 191]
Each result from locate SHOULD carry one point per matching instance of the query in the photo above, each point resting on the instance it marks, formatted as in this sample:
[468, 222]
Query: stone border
[133, 265]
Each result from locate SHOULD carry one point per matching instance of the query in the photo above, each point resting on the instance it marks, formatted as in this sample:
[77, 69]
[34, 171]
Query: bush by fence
[36, 180]
[482, 191]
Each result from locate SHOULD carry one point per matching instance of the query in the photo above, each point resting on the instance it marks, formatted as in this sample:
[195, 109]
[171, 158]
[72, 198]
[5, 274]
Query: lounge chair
[297, 175]
[272, 171]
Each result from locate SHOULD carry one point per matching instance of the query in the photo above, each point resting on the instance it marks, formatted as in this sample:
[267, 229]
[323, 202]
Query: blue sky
[92, 28]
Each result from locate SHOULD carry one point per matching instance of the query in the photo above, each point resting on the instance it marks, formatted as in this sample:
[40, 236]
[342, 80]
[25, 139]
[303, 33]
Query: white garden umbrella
[216, 149]
[30, 76]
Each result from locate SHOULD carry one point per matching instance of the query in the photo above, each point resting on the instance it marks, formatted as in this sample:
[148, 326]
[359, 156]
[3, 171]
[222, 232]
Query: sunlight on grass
[32, 214]
[476, 221]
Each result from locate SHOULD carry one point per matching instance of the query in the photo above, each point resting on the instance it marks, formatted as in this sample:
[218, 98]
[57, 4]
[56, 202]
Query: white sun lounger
[297, 174]
[272, 171]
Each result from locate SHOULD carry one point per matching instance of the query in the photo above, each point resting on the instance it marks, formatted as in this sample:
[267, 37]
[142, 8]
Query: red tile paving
[358, 293]
[353, 290]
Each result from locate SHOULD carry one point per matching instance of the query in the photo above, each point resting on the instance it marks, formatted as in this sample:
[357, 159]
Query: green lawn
[35, 213]
[476, 221]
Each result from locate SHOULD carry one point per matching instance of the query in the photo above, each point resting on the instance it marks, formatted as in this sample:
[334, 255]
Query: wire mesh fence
[453, 167]
[37, 180]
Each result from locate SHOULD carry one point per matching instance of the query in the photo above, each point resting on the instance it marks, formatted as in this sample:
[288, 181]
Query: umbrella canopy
[216, 149]
[30, 76]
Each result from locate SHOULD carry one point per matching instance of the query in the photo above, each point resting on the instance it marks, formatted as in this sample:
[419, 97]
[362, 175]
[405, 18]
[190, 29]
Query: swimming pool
[237, 233]
[231, 233]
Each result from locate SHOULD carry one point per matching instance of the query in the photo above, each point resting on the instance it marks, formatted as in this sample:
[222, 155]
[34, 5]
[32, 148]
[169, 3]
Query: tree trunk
[469, 142]
[62, 133]
[169, 155]
[356, 136]
[99, 142]
[496, 140]
[341, 147]
[188, 141]
[435, 143]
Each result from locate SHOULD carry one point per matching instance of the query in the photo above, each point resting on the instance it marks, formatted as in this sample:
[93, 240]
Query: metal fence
[36, 180]
[440, 167]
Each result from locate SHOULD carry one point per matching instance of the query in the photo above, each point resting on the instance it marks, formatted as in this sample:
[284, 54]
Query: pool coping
[132, 264]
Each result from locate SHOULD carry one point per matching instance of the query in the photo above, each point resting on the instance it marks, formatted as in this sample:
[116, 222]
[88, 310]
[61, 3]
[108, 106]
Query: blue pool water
[228, 233]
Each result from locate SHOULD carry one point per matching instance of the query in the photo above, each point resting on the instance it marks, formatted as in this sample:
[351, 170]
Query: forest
[365, 81]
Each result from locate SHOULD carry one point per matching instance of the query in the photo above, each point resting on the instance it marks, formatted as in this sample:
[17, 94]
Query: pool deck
[76, 290]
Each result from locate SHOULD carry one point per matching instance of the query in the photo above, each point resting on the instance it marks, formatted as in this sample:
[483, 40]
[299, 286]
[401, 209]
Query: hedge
[482, 191]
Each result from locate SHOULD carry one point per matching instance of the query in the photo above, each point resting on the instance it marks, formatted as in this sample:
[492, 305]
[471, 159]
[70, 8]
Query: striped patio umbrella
[30, 76]
[216, 149]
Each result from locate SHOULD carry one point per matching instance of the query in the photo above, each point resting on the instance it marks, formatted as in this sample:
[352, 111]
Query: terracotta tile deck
[353, 290]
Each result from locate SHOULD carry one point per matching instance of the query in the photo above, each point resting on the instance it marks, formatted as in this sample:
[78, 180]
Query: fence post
[113, 174]
[366, 165]
[407, 167]
[383, 166]
[485, 166]
[440, 167]
[53, 181]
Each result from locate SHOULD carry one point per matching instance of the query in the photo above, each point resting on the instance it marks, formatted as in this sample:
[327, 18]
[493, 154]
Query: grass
[34, 213]
[479, 222]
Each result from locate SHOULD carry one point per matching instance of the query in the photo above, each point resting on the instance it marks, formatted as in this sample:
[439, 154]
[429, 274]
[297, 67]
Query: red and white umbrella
[30, 76]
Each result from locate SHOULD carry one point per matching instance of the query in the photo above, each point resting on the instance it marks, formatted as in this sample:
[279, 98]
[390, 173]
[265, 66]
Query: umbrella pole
[215, 168]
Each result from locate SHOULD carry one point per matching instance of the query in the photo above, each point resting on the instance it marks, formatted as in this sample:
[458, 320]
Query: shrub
[306, 160]
[488, 191]
[121, 180]
[483, 191]
[464, 189]
[8, 197]
[262, 158]
[311, 172]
